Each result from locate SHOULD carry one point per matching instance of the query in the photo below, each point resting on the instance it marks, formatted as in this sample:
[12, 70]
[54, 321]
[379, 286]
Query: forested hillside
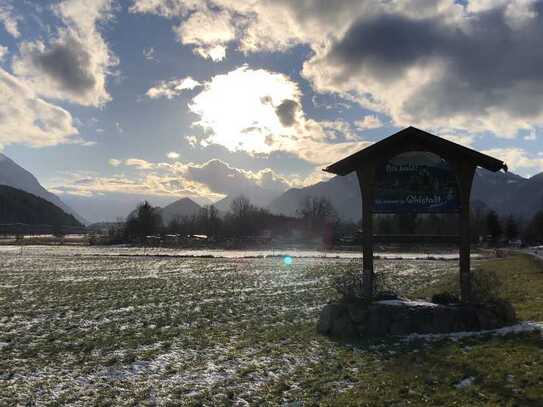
[17, 206]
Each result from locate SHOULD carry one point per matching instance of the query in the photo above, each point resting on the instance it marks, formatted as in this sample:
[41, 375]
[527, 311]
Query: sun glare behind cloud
[239, 108]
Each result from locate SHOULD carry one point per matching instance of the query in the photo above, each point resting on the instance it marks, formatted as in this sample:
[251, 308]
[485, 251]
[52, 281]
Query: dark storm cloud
[286, 112]
[68, 63]
[389, 44]
[490, 61]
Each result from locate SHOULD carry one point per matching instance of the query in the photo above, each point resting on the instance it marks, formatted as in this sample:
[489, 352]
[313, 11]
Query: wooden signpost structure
[413, 171]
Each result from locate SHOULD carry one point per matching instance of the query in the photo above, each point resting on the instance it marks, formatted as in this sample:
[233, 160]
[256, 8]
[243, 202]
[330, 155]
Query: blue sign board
[416, 182]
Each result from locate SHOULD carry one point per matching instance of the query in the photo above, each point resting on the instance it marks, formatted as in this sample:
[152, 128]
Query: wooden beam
[465, 172]
[453, 239]
[367, 189]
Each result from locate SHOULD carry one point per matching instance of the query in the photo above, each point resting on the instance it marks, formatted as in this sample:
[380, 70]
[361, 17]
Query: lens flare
[287, 260]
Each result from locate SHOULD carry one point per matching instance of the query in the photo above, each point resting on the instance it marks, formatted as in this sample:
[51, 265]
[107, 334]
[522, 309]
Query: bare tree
[318, 213]
[317, 208]
[214, 221]
[146, 221]
[240, 206]
[241, 211]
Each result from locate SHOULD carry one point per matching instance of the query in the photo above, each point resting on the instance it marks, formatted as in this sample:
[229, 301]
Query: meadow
[88, 328]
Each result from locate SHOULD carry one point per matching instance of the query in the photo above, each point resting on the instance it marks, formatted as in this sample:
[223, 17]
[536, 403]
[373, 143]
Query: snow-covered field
[83, 327]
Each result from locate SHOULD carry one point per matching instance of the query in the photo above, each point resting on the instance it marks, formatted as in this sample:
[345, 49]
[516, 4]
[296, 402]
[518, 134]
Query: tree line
[243, 220]
[316, 217]
[486, 225]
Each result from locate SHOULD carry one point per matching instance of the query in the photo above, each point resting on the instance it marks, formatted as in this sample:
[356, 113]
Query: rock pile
[403, 317]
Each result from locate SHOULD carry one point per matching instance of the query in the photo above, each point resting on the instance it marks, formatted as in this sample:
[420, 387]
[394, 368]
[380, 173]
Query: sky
[111, 101]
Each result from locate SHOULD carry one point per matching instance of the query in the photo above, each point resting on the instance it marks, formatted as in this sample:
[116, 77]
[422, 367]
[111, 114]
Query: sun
[239, 108]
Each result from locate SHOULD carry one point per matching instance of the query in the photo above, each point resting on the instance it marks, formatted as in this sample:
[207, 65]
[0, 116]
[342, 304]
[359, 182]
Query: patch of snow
[120, 250]
[523, 327]
[407, 303]
[462, 384]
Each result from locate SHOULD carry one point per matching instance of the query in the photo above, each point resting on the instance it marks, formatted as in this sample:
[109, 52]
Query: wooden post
[367, 184]
[465, 173]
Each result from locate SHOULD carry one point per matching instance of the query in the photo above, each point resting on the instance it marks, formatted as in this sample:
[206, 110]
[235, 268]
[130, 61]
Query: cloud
[27, 119]
[472, 66]
[221, 178]
[338, 131]
[9, 20]
[254, 26]
[211, 180]
[209, 29]
[165, 8]
[114, 162]
[369, 122]
[209, 42]
[286, 111]
[3, 52]
[173, 88]
[139, 163]
[518, 160]
[435, 72]
[239, 108]
[531, 136]
[172, 155]
[463, 139]
[66, 62]
[149, 54]
[147, 185]
[260, 112]
[75, 63]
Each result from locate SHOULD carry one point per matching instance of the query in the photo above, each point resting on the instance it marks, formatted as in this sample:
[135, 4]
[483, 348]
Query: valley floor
[88, 329]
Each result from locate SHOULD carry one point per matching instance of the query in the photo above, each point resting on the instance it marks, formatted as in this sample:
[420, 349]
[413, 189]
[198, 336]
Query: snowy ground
[82, 327]
[120, 250]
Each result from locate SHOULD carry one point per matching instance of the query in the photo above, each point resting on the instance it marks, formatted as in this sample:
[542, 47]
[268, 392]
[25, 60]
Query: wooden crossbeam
[416, 239]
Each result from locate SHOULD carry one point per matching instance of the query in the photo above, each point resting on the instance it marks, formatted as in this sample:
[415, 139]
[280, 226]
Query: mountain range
[96, 208]
[506, 193]
[258, 196]
[184, 207]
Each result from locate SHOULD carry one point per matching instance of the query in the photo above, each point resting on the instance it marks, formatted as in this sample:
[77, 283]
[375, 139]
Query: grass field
[105, 330]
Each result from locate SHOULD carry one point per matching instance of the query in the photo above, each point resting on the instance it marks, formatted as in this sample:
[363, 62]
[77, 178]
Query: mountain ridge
[178, 209]
[15, 176]
[499, 191]
[18, 206]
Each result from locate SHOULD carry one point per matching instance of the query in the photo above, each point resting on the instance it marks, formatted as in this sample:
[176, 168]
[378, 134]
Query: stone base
[402, 317]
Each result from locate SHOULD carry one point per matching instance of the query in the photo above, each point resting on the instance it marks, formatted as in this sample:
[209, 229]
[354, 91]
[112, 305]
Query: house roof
[412, 139]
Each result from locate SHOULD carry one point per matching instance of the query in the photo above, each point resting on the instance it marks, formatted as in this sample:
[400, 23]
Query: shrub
[349, 286]
[485, 285]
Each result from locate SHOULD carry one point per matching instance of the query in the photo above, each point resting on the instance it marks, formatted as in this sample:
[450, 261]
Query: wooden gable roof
[411, 139]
